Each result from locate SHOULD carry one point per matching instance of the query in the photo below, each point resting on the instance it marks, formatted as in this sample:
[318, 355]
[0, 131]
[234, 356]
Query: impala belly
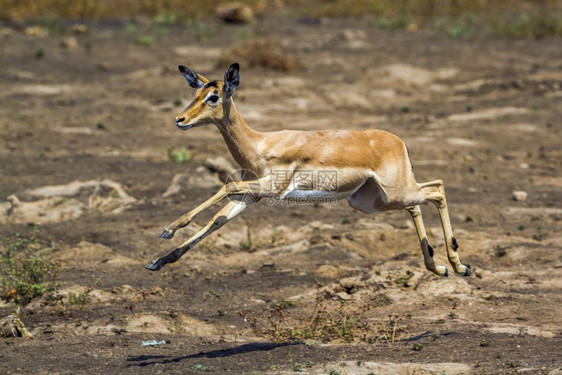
[308, 194]
[325, 182]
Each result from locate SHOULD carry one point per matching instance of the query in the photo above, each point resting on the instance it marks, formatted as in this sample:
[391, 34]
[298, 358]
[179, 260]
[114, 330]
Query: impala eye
[213, 99]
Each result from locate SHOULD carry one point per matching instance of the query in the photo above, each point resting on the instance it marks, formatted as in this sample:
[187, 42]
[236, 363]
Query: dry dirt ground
[94, 119]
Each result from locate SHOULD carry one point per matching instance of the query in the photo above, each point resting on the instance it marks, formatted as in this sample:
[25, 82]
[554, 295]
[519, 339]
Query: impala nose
[180, 120]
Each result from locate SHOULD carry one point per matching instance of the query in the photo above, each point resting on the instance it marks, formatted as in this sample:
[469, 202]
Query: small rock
[352, 35]
[519, 195]
[37, 31]
[317, 238]
[80, 29]
[69, 42]
[328, 271]
[235, 13]
[351, 285]
[260, 7]
[103, 66]
[312, 21]
[344, 296]
[12, 326]
[5, 31]
[122, 289]
[417, 347]
[223, 168]
[156, 290]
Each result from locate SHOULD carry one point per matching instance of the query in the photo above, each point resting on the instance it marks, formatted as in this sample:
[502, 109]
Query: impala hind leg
[427, 250]
[227, 213]
[435, 192]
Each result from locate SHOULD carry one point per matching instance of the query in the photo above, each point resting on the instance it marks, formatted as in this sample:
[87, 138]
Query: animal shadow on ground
[147, 360]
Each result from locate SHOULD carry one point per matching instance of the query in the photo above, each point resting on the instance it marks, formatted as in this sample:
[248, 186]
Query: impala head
[210, 97]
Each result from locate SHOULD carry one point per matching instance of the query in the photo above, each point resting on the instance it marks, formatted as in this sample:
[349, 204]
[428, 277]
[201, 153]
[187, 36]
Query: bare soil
[481, 114]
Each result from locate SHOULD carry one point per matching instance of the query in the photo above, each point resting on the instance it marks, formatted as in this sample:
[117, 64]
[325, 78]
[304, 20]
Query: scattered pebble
[12, 326]
[80, 29]
[5, 31]
[519, 195]
[70, 42]
[103, 66]
[352, 34]
[37, 31]
[344, 296]
[328, 271]
[235, 13]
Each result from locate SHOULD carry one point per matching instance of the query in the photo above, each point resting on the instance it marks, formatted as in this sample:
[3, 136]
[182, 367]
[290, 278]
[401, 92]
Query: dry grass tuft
[330, 321]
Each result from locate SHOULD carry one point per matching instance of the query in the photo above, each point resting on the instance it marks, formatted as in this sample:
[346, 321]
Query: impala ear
[193, 79]
[231, 80]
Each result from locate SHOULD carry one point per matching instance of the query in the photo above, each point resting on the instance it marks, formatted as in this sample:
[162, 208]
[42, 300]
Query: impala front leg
[185, 219]
[248, 188]
[226, 214]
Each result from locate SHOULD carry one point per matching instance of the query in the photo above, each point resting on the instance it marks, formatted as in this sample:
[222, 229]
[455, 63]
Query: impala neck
[240, 138]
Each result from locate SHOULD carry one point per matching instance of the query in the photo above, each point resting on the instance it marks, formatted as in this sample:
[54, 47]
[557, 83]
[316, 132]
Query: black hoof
[167, 234]
[466, 272]
[154, 266]
[446, 274]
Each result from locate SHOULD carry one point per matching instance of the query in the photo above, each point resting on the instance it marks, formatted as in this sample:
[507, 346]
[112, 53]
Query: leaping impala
[372, 169]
